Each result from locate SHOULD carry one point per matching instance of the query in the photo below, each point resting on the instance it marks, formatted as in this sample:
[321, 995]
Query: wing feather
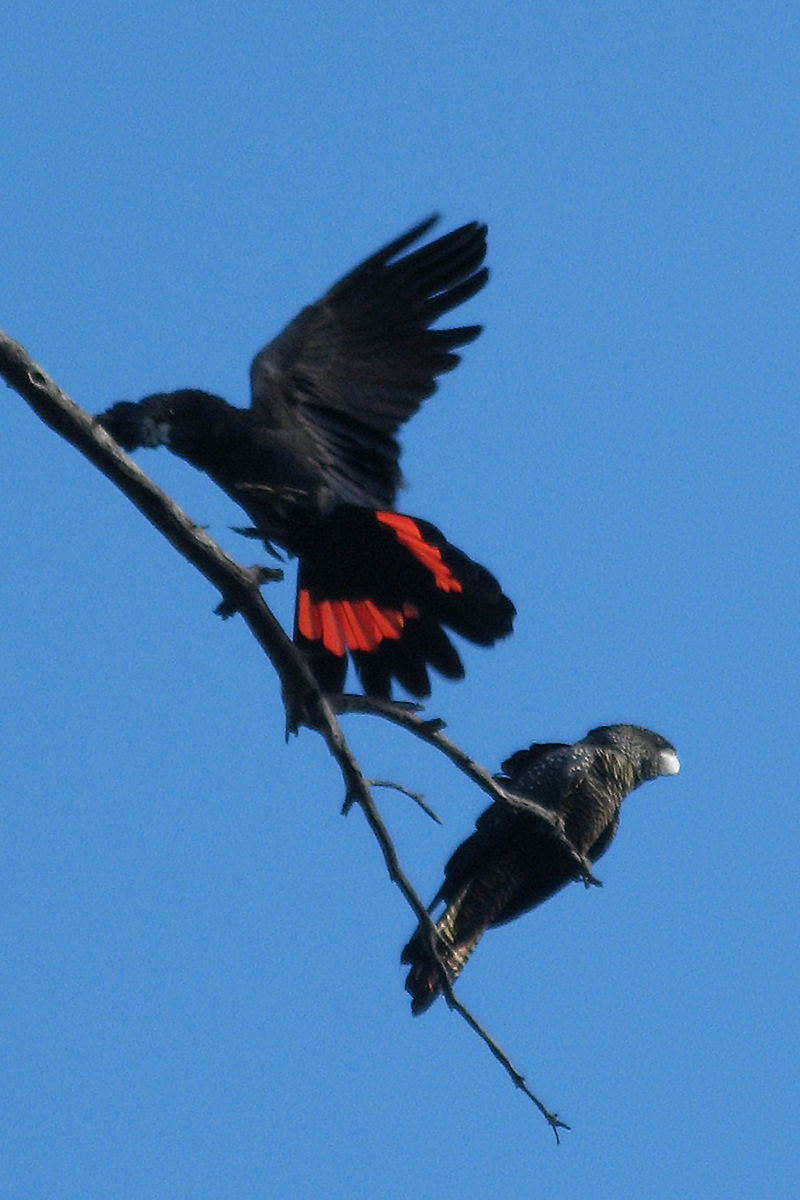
[349, 370]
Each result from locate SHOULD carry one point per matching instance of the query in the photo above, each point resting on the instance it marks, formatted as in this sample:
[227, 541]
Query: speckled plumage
[511, 863]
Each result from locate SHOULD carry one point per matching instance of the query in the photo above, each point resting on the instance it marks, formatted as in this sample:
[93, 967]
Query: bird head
[649, 753]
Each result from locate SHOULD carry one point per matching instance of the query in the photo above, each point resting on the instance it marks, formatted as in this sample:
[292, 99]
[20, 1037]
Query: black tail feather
[423, 982]
[383, 587]
[476, 892]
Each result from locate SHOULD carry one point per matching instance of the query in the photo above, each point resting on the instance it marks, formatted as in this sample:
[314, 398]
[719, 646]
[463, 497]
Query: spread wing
[350, 369]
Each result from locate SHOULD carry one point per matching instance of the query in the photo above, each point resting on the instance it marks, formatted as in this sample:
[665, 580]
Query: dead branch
[417, 797]
[430, 730]
[239, 586]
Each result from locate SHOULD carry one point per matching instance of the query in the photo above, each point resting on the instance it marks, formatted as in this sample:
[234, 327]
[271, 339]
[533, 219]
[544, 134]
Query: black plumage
[511, 863]
[314, 462]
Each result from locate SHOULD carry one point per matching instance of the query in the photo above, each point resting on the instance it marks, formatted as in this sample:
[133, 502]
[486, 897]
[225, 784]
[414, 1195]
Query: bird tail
[382, 586]
[423, 982]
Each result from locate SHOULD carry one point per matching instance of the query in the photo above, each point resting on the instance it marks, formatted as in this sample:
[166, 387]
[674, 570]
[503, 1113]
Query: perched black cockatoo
[511, 862]
[314, 463]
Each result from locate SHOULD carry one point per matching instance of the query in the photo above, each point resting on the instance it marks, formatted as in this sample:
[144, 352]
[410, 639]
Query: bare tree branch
[430, 731]
[417, 797]
[305, 703]
[552, 1118]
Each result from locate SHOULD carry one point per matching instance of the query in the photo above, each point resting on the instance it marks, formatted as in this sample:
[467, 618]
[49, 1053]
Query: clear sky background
[200, 993]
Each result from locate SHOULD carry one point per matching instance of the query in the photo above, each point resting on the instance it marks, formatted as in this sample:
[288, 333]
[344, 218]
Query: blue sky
[201, 993]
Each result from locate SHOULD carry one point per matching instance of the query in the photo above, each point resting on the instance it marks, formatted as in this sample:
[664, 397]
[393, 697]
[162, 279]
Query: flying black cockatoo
[314, 463]
[511, 863]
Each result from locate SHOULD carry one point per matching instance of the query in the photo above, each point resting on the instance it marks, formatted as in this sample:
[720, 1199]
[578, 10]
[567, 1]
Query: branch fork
[304, 702]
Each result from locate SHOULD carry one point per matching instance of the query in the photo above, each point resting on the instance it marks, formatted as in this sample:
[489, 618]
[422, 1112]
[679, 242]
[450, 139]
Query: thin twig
[430, 730]
[519, 1080]
[417, 797]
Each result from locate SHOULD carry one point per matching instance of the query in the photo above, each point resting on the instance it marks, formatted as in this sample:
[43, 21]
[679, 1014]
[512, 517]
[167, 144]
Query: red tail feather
[408, 532]
[349, 624]
[381, 586]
